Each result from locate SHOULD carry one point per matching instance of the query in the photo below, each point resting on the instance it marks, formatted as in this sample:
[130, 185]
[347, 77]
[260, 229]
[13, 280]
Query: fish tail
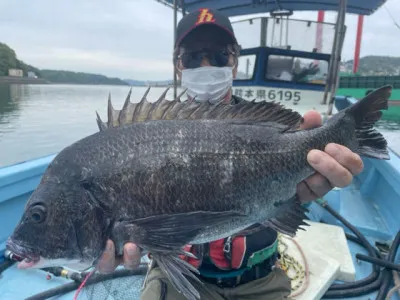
[366, 113]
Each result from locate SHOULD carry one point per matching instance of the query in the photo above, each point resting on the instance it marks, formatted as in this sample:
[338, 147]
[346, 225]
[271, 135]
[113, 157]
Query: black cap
[203, 16]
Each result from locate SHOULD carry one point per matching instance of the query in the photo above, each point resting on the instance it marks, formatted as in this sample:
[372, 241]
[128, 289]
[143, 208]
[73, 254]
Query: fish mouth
[26, 256]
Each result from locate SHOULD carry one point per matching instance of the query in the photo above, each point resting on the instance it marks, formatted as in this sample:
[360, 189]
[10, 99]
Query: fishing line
[83, 284]
[390, 15]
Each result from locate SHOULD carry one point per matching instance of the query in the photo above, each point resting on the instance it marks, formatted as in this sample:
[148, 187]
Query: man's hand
[335, 166]
[130, 259]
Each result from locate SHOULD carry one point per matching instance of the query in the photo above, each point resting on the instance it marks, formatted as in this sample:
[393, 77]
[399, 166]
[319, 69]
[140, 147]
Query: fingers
[319, 185]
[345, 157]
[108, 261]
[132, 256]
[335, 166]
[338, 164]
[311, 188]
[323, 163]
[311, 119]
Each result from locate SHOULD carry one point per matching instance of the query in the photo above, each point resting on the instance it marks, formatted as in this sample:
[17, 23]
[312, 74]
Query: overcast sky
[133, 38]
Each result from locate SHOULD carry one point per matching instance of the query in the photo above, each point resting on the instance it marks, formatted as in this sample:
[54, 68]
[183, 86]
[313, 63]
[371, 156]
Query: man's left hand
[335, 166]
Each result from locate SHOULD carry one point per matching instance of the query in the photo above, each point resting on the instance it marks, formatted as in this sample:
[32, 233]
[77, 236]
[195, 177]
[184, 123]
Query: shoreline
[27, 80]
[22, 80]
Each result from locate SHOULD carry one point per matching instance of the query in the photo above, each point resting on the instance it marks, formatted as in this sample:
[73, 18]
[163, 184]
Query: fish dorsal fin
[176, 109]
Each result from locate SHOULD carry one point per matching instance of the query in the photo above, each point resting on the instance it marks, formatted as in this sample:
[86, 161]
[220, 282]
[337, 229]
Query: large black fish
[170, 173]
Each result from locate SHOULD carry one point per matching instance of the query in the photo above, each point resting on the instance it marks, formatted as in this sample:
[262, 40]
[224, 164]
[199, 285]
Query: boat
[277, 65]
[357, 86]
[359, 222]
[354, 237]
[281, 69]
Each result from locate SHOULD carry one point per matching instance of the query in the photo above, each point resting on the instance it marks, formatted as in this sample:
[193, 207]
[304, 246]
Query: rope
[396, 279]
[300, 279]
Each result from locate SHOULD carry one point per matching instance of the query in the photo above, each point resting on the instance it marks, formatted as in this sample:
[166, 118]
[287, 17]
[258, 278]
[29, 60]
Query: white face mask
[207, 83]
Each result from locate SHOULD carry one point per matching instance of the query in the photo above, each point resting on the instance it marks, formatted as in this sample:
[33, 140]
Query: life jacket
[233, 252]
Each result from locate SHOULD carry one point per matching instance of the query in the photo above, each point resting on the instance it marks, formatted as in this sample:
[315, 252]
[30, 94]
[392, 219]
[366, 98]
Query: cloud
[134, 38]
[128, 39]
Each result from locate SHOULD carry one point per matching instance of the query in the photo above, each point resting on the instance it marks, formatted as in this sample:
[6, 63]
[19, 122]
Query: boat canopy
[244, 7]
[281, 8]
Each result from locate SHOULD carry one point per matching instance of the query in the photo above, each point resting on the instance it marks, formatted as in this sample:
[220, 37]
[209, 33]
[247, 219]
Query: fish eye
[38, 213]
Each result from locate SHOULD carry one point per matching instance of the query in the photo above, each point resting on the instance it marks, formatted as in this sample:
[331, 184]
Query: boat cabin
[284, 60]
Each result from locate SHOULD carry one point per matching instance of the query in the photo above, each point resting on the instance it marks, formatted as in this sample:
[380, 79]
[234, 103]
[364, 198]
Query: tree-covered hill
[9, 60]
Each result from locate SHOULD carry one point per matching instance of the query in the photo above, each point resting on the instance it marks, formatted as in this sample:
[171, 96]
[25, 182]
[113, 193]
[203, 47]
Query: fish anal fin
[289, 217]
[175, 268]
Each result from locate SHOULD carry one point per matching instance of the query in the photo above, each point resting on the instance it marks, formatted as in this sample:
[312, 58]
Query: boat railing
[27, 172]
[368, 81]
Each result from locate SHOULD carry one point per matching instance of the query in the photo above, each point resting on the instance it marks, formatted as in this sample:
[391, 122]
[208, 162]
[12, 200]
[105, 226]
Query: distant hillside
[133, 82]
[55, 76]
[375, 65]
[9, 60]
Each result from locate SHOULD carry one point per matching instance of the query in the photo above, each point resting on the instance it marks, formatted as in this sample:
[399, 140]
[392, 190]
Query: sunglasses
[217, 58]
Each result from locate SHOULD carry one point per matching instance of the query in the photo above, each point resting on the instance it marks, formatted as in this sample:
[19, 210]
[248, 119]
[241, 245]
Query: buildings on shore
[20, 73]
[15, 73]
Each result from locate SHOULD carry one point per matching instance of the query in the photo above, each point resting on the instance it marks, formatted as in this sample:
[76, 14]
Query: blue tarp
[245, 7]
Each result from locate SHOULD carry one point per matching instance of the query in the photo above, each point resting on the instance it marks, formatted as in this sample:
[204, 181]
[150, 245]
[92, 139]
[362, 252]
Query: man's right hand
[109, 262]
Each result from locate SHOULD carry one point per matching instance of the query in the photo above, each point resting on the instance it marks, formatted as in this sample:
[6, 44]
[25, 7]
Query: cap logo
[205, 16]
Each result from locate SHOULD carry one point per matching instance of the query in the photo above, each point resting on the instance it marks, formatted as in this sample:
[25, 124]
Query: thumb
[311, 119]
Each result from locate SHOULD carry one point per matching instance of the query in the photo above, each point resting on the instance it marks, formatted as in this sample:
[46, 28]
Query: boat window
[297, 69]
[285, 33]
[246, 67]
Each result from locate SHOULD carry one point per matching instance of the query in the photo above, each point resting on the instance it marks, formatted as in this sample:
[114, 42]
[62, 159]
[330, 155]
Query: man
[206, 58]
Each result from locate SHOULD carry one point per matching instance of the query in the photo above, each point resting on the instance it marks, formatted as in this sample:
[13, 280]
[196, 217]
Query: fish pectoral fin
[290, 216]
[167, 232]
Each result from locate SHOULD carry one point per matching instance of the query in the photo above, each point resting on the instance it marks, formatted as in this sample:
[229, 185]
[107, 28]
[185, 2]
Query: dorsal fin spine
[164, 109]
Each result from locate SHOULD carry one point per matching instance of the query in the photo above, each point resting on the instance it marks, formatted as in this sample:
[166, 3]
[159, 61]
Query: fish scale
[161, 161]
[169, 173]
